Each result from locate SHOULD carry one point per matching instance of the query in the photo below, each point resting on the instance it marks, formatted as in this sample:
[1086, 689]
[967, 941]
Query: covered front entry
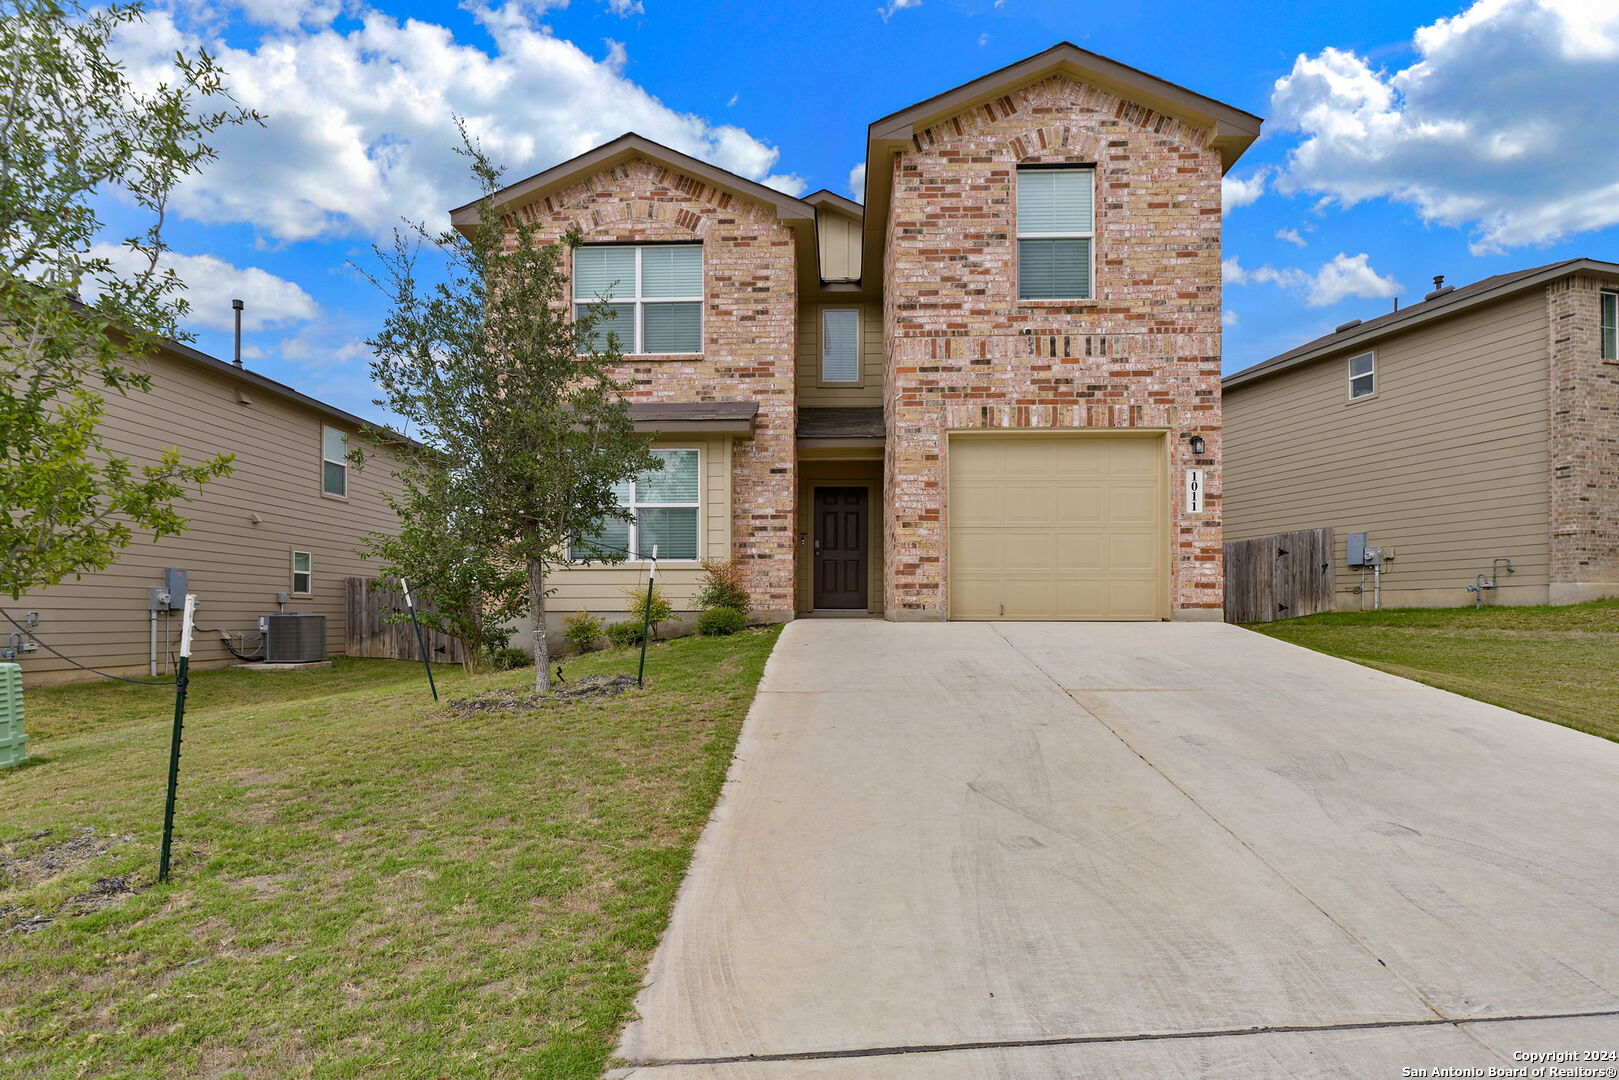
[1058, 525]
[840, 538]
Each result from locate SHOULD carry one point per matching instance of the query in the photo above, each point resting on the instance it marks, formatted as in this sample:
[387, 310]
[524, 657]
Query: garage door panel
[1057, 527]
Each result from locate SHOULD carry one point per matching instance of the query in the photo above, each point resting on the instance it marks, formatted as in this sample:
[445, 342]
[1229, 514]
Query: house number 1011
[1194, 491]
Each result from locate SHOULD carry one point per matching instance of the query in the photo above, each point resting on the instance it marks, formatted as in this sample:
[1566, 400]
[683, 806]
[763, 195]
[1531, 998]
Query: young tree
[73, 130]
[512, 395]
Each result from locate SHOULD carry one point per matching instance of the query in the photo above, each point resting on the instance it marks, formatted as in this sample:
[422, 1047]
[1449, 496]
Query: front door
[840, 547]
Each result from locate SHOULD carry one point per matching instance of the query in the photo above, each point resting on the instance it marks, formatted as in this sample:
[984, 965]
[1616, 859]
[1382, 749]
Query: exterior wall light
[1198, 445]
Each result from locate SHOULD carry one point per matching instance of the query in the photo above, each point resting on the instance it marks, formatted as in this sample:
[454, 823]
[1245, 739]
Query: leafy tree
[512, 395]
[73, 131]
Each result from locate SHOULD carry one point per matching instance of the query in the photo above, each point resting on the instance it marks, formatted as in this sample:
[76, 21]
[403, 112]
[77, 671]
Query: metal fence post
[421, 646]
[182, 679]
[646, 616]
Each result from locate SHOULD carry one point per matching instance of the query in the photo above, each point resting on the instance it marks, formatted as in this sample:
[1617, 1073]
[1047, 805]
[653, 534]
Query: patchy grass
[1558, 663]
[364, 886]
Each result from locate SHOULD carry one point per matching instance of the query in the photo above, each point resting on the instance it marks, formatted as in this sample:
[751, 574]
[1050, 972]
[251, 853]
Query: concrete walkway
[1115, 850]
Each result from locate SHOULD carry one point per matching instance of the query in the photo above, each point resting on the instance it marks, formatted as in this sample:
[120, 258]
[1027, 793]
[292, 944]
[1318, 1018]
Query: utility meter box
[174, 583]
[13, 743]
[1355, 549]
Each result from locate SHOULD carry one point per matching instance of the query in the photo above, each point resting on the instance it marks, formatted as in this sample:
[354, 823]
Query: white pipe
[185, 628]
[151, 663]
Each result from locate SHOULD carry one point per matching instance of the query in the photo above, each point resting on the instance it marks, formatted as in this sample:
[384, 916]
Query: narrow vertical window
[303, 573]
[1055, 233]
[1610, 326]
[334, 465]
[1362, 376]
[840, 345]
[654, 293]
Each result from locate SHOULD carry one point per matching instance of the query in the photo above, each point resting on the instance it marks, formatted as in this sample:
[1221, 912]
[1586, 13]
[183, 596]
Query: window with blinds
[654, 294]
[1610, 326]
[1055, 232]
[840, 345]
[665, 510]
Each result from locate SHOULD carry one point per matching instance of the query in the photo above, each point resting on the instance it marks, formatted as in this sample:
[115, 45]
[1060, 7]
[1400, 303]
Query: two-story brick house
[990, 392]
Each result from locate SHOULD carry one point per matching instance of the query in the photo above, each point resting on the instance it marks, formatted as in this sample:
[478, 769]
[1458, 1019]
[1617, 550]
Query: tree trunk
[536, 606]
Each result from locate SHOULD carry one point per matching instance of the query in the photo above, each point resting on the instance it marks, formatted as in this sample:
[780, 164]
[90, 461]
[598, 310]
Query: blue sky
[1403, 139]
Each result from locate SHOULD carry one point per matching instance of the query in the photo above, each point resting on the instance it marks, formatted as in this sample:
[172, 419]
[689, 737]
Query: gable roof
[827, 197]
[1452, 302]
[627, 146]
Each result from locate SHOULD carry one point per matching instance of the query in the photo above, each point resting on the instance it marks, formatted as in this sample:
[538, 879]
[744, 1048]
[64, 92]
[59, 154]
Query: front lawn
[363, 886]
[1558, 663]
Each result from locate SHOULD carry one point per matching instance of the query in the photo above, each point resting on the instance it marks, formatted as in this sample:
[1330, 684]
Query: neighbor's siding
[1447, 464]
[236, 566]
[811, 394]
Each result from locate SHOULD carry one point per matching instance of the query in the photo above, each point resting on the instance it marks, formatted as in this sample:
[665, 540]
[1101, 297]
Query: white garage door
[1058, 527]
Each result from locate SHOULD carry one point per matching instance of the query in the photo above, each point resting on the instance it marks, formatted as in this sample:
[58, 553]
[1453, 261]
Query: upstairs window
[840, 345]
[334, 465]
[655, 292]
[1055, 232]
[1610, 326]
[1362, 376]
[664, 505]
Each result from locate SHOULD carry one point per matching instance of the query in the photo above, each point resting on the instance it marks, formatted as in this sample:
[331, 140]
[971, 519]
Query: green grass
[363, 886]
[1558, 663]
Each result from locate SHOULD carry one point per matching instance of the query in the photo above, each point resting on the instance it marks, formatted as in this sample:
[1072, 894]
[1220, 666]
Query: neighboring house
[279, 534]
[974, 397]
[1478, 425]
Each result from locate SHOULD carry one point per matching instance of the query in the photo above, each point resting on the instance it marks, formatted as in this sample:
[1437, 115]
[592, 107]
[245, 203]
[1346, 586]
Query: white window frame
[635, 525]
[639, 303]
[310, 574]
[1603, 299]
[324, 461]
[859, 349]
[1017, 227]
[1349, 372]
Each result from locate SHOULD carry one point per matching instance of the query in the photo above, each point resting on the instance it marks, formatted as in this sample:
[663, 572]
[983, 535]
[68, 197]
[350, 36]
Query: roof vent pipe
[237, 305]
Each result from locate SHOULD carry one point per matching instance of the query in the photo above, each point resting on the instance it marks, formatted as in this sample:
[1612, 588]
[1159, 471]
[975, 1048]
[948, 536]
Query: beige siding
[814, 473]
[812, 393]
[840, 242]
[236, 566]
[1446, 464]
[601, 588]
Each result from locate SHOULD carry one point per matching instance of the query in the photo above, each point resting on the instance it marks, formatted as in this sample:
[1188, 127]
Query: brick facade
[964, 352]
[1584, 450]
[750, 316]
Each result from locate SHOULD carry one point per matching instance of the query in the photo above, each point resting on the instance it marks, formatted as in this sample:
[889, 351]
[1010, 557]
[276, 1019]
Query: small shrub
[582, 630]
[723, 587]
[626, 633]
[507, 658]
[721, 621]
[660, 609]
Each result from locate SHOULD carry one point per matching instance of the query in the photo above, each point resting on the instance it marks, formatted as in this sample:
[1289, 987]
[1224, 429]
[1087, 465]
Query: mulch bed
[514, 700]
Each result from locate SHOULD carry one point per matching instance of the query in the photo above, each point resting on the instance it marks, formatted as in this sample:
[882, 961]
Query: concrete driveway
[1133, 850]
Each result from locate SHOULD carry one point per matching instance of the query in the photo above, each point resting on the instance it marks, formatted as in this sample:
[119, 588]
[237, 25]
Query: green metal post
[646, 617]
[421, 646]
[181, 681]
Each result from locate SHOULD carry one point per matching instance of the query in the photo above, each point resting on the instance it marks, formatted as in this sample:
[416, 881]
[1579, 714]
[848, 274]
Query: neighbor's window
[1362, 376]
[655, 290]
[334, 465]
[303, 573]
[840, 345]
[1610, 326]
[1055, 233]
[664, 503]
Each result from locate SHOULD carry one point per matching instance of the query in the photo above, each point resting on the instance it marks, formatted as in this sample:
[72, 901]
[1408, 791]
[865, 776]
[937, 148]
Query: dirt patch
[53, 859]
[513, 700]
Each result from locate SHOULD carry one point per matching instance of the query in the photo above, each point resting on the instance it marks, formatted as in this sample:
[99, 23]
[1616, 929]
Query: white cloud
[359, 130]
[1235, 192]
[1499, 127]
[1340, 278]
[625, 8]
[1228, 318]
[983, 39]
[212, 283]
[1291, 236]
[897, 6]
[857, 182]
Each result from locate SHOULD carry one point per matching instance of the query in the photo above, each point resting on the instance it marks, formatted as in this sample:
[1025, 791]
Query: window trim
[1604, 297]
[1019, 235]
[637, 302]
[293, 589]
[859, 380]
[324, 461]
[1350, 377]
[635, 526]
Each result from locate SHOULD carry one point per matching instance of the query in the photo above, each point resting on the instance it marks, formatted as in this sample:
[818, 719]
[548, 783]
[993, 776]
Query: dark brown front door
[840, 547]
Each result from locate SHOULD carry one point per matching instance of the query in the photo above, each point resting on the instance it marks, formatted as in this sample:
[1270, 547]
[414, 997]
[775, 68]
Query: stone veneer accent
[964, 352]
[1584, 450]
[750, 317]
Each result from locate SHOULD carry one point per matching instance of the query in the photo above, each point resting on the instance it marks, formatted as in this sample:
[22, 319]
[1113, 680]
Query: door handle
[817, 547]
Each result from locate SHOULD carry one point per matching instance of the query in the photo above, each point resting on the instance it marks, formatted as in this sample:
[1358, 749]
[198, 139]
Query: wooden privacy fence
[370, 633]
[1281, 576]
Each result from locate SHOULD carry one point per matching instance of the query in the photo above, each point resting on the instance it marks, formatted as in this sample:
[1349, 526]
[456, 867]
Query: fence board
[1281, 576]
[370, 634]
